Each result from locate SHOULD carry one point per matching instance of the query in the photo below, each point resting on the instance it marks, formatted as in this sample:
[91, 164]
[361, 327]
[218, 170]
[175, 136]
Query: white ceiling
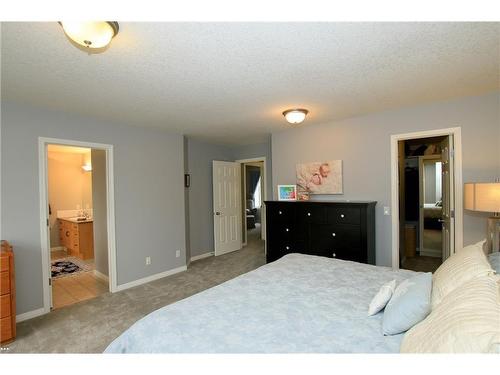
[229, 82]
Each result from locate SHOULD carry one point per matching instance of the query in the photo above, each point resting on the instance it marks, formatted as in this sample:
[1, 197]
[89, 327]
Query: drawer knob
[308, 214]
[333, 234]
[67, 233]
[279, 212]
[334, 255]
[286, 229]
[342, 216]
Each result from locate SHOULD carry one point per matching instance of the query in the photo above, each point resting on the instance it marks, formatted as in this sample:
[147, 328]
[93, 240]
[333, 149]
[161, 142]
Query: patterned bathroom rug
[68, 267]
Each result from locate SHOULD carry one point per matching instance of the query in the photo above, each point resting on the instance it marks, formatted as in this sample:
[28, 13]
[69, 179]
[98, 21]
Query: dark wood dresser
[7, 294]
[335, 229]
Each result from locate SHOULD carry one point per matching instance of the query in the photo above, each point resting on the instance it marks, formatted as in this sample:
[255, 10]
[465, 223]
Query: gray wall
[363, 143]
[148, 169]
[99, 201]
[254, 151]
[200, 155]
[201, 228]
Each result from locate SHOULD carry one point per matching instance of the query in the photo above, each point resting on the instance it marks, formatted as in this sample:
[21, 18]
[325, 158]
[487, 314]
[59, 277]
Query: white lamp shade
[89, 34]
[295, 116]
[483, 197]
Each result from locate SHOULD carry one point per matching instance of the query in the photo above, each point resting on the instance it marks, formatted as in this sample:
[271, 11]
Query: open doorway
[78, 249]
[426, 193]
[77, 221]
[253, 194]
[238, 209]
[421, 208]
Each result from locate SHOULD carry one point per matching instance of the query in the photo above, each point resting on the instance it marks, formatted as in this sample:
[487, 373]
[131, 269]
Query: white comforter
[300, 303]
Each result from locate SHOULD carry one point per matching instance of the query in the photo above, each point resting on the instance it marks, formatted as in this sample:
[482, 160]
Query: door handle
[441, 221]
[218, 213]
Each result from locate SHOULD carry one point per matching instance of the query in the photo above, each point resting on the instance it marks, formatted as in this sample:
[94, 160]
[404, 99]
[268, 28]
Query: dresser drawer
[344, 215]
[4, 263]
[4, 283]
[277, 249]
[6, 329]
[5, 306]
[281, 212]
[355, 256]
[326, 239]
[283, 231]
[311, 214]
[346, 236]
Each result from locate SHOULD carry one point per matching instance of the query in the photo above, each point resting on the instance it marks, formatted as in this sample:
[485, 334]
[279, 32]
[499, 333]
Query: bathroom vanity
[77, 237]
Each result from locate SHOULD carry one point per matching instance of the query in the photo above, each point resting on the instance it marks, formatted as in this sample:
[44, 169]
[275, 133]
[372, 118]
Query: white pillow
[466, 321]
[382, 297]
[464, 265]
[409, 305]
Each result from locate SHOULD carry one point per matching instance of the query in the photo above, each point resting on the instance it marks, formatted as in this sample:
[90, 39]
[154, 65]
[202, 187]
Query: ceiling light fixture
[92, 35]
[295, 116]
[87, 167]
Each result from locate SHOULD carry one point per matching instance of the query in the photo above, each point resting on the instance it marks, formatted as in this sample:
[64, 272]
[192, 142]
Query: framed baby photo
[287, 192]
[323, 177]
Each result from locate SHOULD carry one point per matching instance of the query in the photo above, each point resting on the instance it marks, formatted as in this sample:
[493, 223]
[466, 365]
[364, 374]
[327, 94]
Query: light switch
[387, 210]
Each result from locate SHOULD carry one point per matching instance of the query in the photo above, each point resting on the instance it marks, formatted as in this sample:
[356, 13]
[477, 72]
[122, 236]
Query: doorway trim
[264, 197]
[43, 142]
[456, 132]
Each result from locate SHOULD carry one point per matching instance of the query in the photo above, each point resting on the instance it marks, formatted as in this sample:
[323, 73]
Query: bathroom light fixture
[295, 116]
[87, 167]
[93, 35]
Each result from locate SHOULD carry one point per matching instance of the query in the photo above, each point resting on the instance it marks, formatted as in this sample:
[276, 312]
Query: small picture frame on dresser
[287, 192]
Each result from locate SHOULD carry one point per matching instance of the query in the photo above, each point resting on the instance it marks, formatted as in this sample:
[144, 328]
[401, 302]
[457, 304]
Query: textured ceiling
[229, 82]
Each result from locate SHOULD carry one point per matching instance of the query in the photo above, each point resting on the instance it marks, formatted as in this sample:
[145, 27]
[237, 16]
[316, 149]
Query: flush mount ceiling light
[92, 35]
[295, 116]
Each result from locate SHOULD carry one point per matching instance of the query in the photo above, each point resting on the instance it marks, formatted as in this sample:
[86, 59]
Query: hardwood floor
[76, 288]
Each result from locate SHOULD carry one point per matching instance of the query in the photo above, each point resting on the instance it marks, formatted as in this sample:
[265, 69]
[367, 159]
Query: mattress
[297, 304]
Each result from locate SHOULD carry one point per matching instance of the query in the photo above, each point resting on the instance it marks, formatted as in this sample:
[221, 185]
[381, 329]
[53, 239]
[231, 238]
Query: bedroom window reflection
[257, 196]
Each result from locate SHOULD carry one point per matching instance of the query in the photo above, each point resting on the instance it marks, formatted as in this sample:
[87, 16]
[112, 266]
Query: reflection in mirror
[432, 184]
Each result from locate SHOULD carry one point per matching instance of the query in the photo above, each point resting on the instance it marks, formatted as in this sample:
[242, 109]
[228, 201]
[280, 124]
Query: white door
[227, 206]
[448, 193]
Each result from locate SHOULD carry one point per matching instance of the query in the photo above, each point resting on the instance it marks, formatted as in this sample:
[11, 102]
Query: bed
[297, 304]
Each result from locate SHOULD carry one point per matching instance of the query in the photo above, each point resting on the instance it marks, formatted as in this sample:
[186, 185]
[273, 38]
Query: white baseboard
[202, 256]
[29, 315]
[101, 276]
[150, 278]
[58, 248]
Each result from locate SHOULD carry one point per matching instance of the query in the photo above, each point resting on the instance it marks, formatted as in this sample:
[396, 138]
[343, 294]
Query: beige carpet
[88, 327]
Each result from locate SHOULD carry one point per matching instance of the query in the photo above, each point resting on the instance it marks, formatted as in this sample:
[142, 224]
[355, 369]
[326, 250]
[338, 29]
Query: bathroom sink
[77, 218]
